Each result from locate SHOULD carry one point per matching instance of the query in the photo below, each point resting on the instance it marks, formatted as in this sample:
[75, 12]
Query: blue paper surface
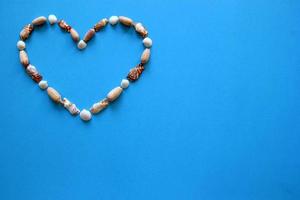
[215, 115]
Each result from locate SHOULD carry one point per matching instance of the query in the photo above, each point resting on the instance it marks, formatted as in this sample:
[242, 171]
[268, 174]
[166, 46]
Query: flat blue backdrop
[216, 114]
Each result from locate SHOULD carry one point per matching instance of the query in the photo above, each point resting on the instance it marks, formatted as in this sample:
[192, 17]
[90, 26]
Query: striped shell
[101, 24]
[33, 73]
[26, 31]
[63, 25]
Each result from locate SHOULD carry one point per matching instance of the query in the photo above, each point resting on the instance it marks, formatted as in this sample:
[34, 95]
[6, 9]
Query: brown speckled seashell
[135, 72]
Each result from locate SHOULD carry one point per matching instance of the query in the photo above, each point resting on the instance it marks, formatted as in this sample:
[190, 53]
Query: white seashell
[43, 84]
[114, 94]
[85, 115]
[124, 83]
[21, 45]
[147, 42]
[81, 44]
[113, 20]
[52, 19]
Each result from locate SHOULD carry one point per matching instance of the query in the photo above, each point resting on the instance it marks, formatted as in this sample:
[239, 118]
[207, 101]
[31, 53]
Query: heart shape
[132, 76]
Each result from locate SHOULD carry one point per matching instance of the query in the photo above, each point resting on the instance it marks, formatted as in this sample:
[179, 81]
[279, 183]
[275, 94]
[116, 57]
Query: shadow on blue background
[216, 114]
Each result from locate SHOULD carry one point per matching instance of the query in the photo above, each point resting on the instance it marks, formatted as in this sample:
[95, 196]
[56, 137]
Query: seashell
[52, 19]
[54, 95]
[113, 20]
[21, 45]
[63, 25]
[125, 21]
[71, 107]
[85, 115]
[147, 42]
[135, 72]
[26, 31]
[24, 58]
[114, 94]
[74, 35]
[145, 56]
[33, 73]
[140, 29]
[81, 44]
[89, 35]
[101, 24]
[124, 83]
[43, 84]
[39, 21]
[99, 106]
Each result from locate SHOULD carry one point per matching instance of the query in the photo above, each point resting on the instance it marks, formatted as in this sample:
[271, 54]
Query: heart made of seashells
[54, 95]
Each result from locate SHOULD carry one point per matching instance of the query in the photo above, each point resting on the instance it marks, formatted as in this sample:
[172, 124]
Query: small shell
[24, 58]
[26, 31]
[33, 73]
[52, 19]
[125, 21]
[74, 35]
[81, 44]
[71, 107]
[43, 84]
[89, 35]
[97, 107]
[63, 25]
[140, 29]
[101, 24]
[145, 56]
[39, 21]
[21, 45]
[135, 72]
[54, 95]
[113, 20]
[85, 115]
[147, 42]
[124, 83]
[114, 94]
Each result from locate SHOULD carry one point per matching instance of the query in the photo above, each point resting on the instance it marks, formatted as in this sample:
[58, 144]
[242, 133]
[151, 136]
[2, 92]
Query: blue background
[216, 114]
